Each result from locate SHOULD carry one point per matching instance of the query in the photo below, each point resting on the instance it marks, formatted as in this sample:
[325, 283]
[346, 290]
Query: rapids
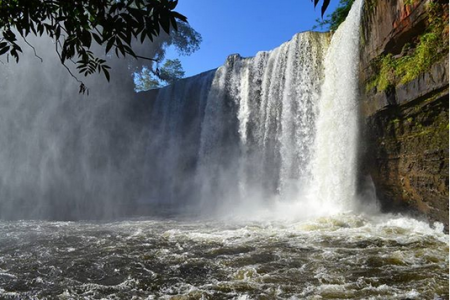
[346, 256]
[255, 164]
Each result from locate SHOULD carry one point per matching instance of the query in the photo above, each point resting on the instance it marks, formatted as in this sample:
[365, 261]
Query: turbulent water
[265, 147]
[340, 257]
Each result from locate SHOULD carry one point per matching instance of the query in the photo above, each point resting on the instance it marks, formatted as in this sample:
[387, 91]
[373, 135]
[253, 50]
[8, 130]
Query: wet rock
[406, 132]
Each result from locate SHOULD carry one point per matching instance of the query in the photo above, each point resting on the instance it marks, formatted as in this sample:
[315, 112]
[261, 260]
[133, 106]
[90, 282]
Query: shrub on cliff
[418, 56]
[333, 20]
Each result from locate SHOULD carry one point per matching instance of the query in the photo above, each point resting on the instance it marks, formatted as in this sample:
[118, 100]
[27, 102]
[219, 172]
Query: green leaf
[106, 74]
[58, 32]
[97, 38]
[179, 16]
[172, 4]
[4, 50]
[165, 23]
[142, 37]
[86, 38]
[173, 21]
[325, 6]
[109, 45]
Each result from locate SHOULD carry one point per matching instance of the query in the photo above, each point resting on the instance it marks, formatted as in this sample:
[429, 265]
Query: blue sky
[243, 26]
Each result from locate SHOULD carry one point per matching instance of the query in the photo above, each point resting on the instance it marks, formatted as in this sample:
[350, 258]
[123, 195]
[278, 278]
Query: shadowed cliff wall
[406, 117]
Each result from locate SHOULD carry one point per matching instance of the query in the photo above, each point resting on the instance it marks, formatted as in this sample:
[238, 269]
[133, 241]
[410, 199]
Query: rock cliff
[405, 99]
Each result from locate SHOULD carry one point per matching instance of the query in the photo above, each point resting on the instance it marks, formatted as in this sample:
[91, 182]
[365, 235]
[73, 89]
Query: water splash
[272, 133]
[337, 257]
[335, 160]
[257, 130]
[255, 133]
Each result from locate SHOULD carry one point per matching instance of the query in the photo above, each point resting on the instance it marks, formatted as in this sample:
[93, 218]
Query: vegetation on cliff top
[333, 20]
[147, 78]
[416, 57]
[161, 72]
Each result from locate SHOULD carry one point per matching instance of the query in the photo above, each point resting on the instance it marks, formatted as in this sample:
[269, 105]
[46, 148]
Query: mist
[242, 140]
[68, 156]
[238, 141]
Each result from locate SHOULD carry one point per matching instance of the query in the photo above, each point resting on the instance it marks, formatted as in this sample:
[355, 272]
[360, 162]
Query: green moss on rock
[417, 57]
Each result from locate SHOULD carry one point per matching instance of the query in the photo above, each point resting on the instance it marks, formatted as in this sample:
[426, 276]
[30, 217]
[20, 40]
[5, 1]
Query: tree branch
[147, 58]
[32, 47]
[83, 87]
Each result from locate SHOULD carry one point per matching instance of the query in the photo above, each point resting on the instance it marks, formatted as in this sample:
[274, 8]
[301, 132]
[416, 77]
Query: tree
[145, 80]
[75, 26]
[149, 76]
[171, 71]
[332, 21]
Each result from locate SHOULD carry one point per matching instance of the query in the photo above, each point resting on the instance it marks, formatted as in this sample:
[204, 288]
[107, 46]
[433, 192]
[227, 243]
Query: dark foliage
[325, 4]
[76, 25]
[332, 21]
[154, 75]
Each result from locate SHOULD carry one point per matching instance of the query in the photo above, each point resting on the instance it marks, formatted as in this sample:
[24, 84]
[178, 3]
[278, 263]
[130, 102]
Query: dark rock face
[407, 131]
[408, 156]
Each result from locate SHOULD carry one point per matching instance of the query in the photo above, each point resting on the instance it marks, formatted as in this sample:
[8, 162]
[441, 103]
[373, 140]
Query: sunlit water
[256, 131]
[340, 257]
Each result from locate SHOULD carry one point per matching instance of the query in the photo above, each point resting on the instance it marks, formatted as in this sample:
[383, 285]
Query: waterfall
[256, 132]
[175, 134]
[335, 159]
[280, 127]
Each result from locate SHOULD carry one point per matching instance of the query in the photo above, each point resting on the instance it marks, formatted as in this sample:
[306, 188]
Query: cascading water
[270, 131]
[257, 129]
[172, 154]
[334, 163]
[254, 132]
[263, 132]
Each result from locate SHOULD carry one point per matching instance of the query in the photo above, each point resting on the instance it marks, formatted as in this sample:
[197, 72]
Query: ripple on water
[343, 257]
